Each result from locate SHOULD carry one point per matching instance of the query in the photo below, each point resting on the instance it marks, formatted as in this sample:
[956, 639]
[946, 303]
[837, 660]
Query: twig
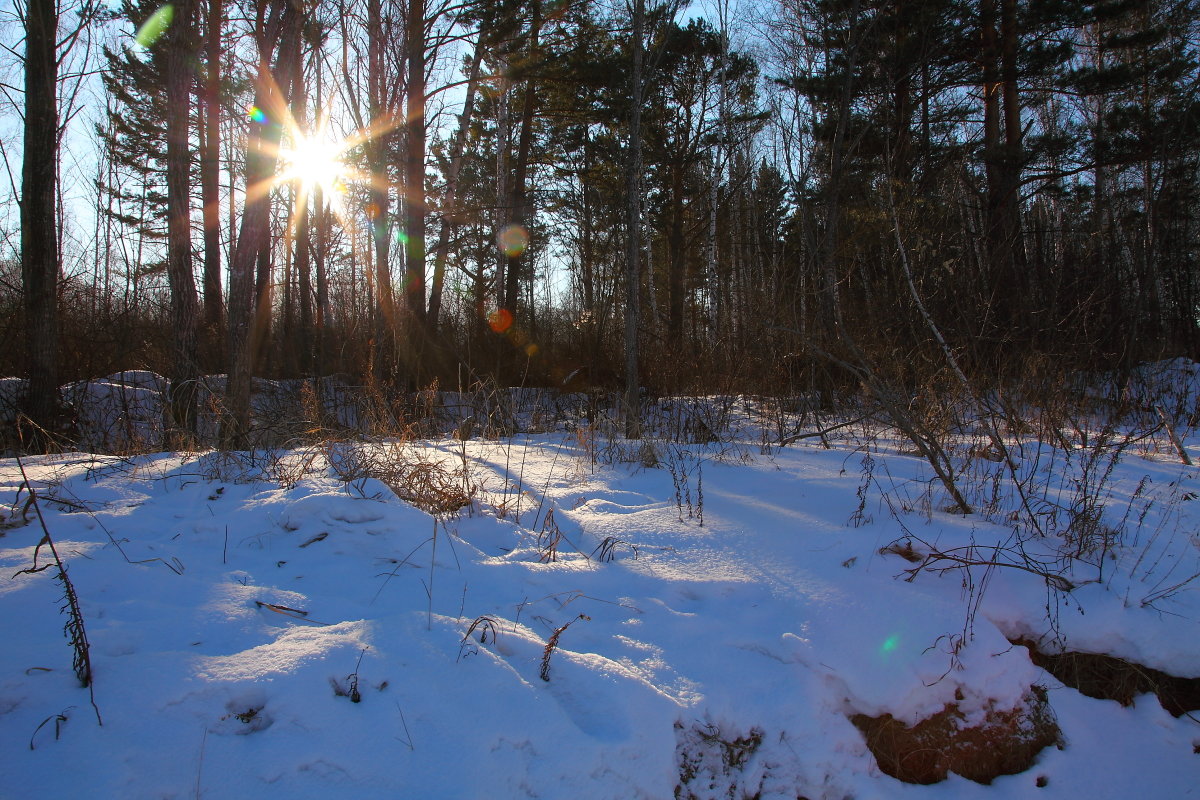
[74, 629]
[409, 742]
[1170, 426]
[200, 766]
[432, 564]
[931, 562]
[786, 440]
[552, 643]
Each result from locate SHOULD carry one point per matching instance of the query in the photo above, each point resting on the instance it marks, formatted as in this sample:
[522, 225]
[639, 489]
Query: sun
[315, 161]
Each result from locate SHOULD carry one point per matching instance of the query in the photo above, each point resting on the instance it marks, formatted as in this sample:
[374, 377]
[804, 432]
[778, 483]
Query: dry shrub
[1110, 678]
[431, 486]
[423, 478]
[716, 764]
[1006, 742]
[552, 643]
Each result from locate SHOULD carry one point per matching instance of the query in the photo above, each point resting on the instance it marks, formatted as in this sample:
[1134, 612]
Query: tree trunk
[503, 141]
[676, 262]
[414, 197]
[1002, 163]
[518, 206]
[633, 225]
[180, 422]
[302, 214]
[380, 115]
[264, 293]
[271, 96]
[1013, 149]
[210, 180]
[39, 246]
[457, 149]
[320, 249]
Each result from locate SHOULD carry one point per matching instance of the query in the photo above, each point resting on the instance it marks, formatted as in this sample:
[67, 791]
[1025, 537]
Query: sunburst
[316, 160]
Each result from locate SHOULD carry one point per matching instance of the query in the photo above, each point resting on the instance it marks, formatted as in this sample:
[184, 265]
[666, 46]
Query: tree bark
[210, 178]
[180, 408]
[320, 248]
[414, 197]
[1013, 134]
[503, 142]
[271, 97]
[1002, 164]
[633, 224]
[676, 259]
[380, 115]
[518, 206]
[40, 264]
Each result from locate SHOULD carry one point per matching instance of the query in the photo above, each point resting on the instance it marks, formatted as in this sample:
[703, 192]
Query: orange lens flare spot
[513, 239]
[500, 320]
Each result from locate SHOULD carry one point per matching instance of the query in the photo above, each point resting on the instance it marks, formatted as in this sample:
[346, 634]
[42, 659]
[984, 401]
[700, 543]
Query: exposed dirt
[1110, 678]
[1005, 743]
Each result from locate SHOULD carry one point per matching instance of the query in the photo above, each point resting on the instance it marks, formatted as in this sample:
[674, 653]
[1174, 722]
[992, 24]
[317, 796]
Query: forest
[580, 398]
[830, 197]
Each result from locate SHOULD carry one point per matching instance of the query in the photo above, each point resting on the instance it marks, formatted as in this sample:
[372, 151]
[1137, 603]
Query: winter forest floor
[561, 613]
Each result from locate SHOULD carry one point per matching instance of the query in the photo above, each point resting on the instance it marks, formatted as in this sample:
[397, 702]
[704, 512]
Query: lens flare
[256, 115]
[313, 161]
[513, 239]
[500, 320]
[154, 26]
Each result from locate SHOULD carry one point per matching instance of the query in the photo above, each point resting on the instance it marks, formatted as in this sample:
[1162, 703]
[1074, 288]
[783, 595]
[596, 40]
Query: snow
[237, 605]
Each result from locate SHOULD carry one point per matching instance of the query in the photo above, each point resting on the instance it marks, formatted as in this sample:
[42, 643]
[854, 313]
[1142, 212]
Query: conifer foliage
[788, 195]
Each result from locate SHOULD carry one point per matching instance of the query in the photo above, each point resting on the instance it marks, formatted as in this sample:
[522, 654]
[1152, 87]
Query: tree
[181, 393]
[633, 225]
[210, 174]
[1137, 76]
[40, 266]
[450, 194]
[277, 38]
[416, 336]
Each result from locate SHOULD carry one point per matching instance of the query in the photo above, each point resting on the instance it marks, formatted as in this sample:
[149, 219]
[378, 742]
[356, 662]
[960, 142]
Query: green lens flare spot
[890, 643]
[153, 27]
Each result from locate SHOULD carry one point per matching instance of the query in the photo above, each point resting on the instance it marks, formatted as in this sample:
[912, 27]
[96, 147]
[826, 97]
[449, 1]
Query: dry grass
[552, 644]
[425, 478]
[1005, 743]
[1110, 678]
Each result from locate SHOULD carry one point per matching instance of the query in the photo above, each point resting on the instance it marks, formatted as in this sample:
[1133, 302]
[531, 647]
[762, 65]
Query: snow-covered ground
[284, 625]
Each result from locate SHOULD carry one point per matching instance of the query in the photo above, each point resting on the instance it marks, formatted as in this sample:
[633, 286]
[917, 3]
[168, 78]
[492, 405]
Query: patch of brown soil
[1005, 743]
